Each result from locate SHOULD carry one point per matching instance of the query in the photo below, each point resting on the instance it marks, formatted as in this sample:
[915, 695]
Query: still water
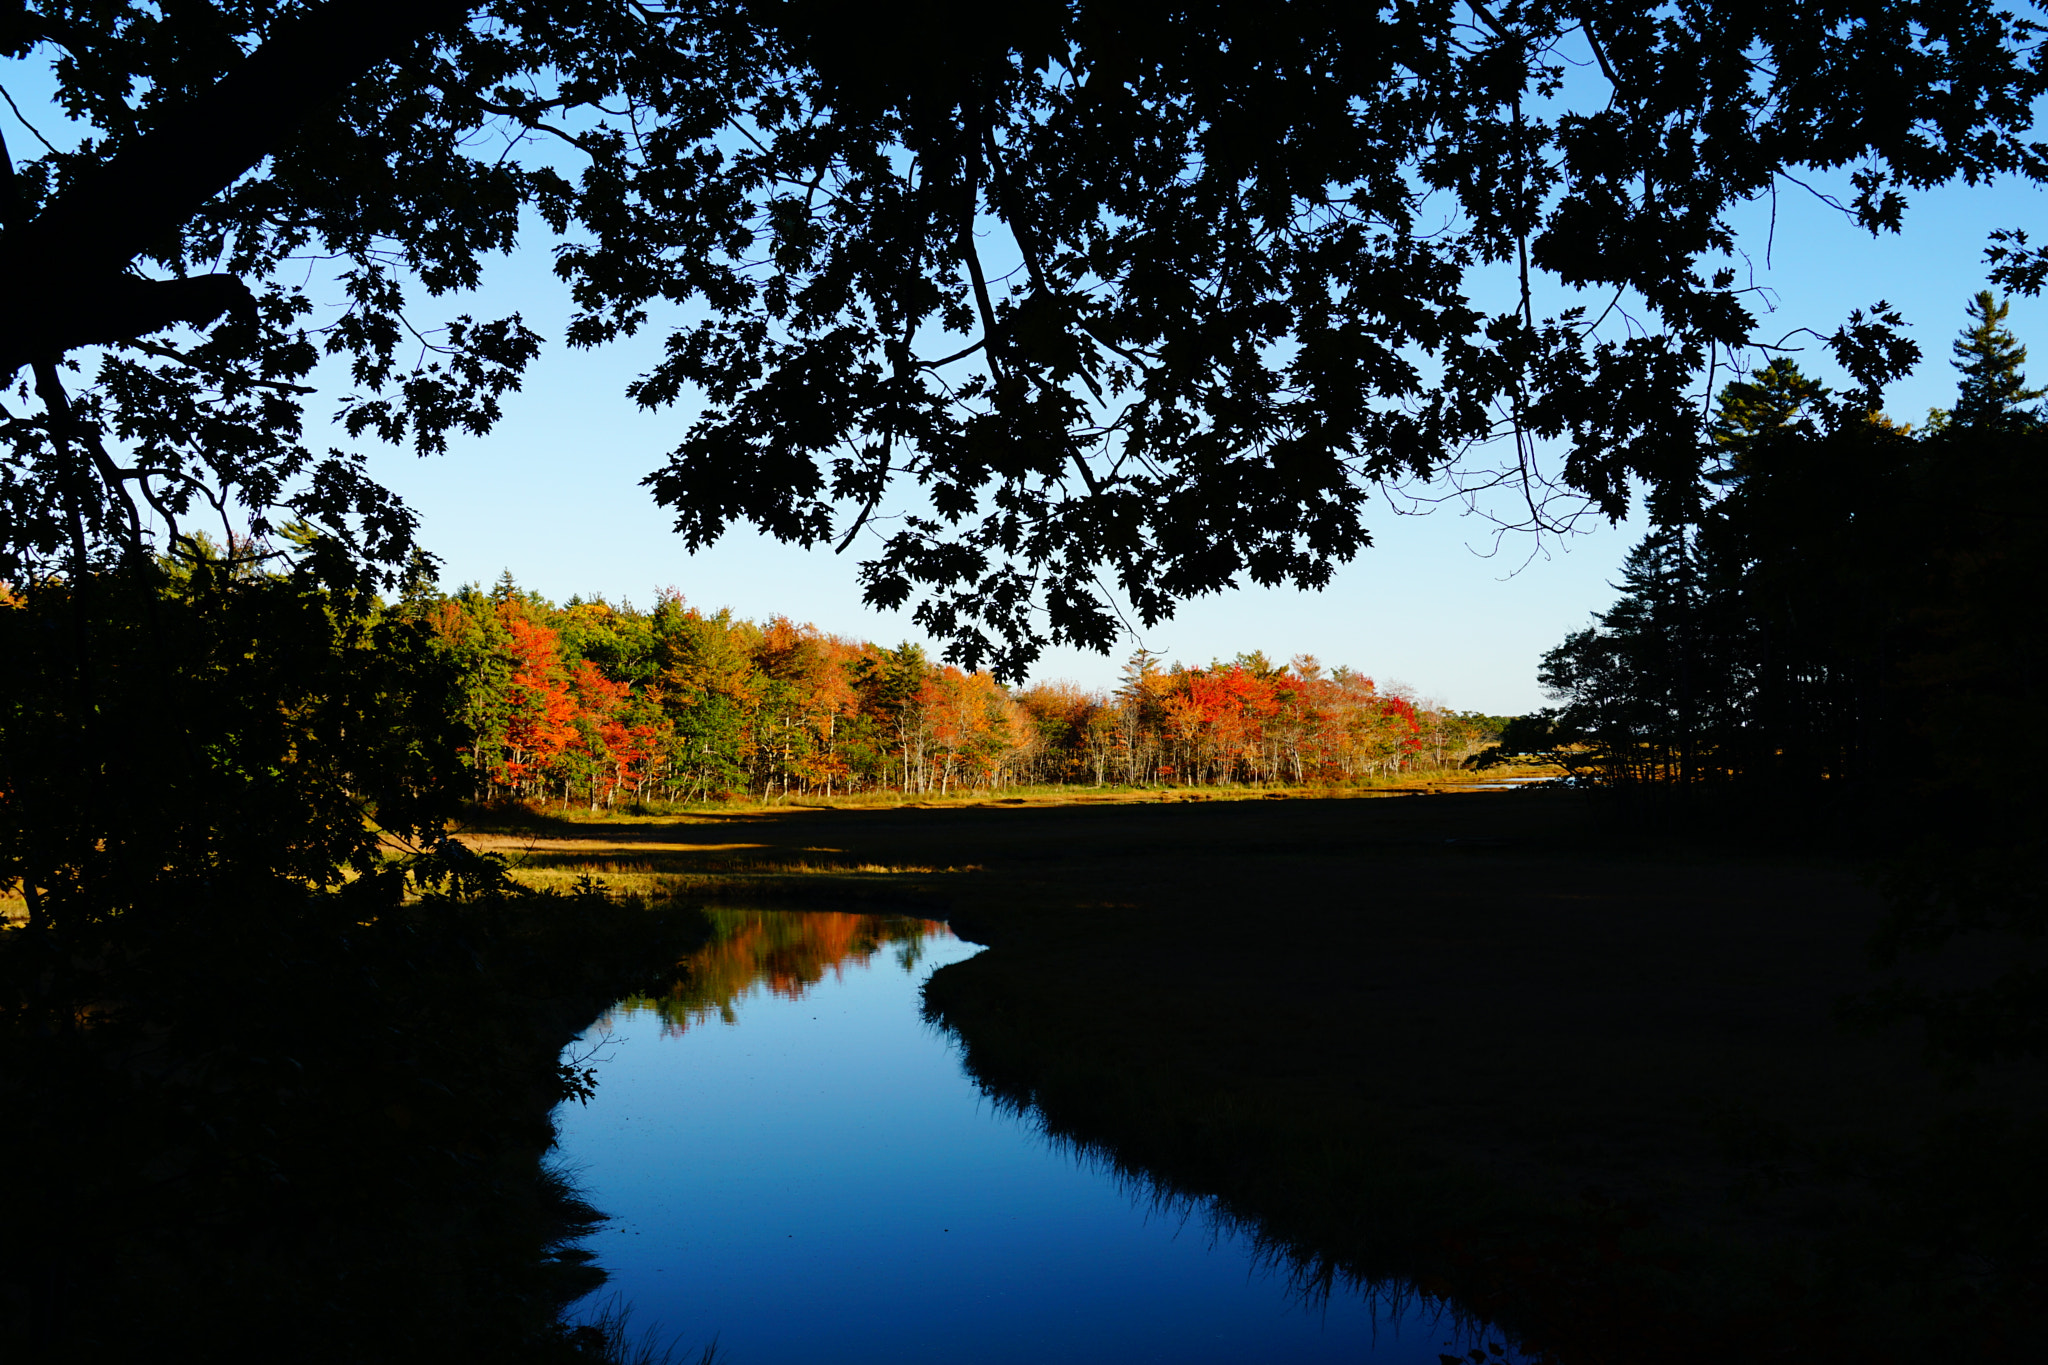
[796, 1164]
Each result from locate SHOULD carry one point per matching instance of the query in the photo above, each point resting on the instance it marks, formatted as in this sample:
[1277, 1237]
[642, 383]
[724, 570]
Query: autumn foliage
[608, 705]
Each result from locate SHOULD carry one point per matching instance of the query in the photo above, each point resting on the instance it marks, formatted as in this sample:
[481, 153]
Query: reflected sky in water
[797, 1165]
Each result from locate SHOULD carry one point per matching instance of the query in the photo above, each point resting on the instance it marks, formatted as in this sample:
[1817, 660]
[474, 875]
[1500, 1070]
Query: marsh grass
[604, 1333]
[653, 853]
[1059, 1111]
[656, 881]
[513, 817]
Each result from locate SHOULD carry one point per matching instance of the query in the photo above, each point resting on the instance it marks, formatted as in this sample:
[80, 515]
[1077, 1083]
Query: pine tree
[1994, 391]
[1770, 400]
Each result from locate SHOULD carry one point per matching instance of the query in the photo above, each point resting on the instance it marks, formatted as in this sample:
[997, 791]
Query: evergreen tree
[1772, 399]
[1994, 391]
[1653, 691]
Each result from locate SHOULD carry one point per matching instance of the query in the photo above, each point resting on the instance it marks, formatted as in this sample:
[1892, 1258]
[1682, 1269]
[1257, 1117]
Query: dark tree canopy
[1083, 294]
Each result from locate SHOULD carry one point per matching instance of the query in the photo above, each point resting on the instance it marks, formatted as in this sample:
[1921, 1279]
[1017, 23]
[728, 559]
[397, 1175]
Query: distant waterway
[796, 1164]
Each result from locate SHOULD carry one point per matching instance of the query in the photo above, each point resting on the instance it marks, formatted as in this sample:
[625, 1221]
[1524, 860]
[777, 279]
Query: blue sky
[554, 494]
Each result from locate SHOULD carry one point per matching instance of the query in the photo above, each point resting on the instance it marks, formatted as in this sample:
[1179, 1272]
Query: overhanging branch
[65, 268]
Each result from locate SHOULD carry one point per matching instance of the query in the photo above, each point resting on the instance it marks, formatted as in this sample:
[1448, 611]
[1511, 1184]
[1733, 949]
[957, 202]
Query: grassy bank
[751, 851]
[551, 815]
[1590, 1084]
[305, 1136]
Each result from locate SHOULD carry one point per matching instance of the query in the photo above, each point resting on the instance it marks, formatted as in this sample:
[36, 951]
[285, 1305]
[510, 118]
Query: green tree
[709, 689]
[470, 635]
[1993, 390]
[1633, 688]
[894, 691]
[1766, 403]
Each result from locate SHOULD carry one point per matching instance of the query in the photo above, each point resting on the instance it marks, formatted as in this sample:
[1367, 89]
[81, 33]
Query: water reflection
[796, 1164]
[785, 952]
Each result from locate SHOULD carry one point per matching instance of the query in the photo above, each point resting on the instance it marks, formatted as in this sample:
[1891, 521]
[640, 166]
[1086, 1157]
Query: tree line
[1855, 600]
[609, 705]
[1852, 625]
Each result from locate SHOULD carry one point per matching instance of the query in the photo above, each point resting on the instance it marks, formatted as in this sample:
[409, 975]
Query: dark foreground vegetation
[1831, 643]
[277, 1075]
[313, 1134]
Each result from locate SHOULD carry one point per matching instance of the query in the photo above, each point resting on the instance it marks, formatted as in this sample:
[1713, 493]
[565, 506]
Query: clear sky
[554, 494]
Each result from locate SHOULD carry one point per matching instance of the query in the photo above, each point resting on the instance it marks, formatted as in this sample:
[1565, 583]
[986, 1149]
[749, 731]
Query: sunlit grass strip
[1013, 797]
[654, 884]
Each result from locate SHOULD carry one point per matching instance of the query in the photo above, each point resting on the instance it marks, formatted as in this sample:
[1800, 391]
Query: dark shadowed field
[1590, 1083]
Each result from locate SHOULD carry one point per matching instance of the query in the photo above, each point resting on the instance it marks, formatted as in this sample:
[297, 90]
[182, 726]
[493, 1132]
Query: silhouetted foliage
[1851, 629]
[279, 1054]
[1090, 289]
[210, 739]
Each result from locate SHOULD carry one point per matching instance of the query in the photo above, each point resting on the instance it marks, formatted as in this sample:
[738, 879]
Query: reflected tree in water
[784, 951]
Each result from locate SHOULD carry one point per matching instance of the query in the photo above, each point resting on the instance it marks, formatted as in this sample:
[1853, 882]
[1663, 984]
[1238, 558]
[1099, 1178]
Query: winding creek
[796, 1164]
